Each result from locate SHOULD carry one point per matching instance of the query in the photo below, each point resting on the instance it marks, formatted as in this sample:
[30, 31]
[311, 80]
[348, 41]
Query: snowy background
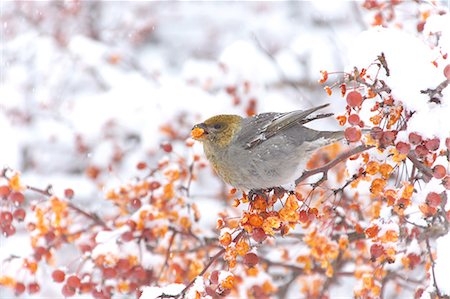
[90, 89]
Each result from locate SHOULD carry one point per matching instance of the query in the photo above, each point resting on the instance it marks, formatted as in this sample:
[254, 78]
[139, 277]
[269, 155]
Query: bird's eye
[218, 126]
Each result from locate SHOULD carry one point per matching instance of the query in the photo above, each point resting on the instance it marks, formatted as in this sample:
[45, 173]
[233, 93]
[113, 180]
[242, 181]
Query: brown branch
[295, 268]
[94, 217]
[324, 169]
[436, 93]
[438, 293]
[49, 192]
[283, 290]
[46, 192]
[189, 180]
[419, 165]
[166, 261]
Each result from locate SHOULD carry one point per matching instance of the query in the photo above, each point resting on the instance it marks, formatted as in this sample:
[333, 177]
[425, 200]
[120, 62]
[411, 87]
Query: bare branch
[438, 293]
[436, 93]
[166, 261]
[420, 166]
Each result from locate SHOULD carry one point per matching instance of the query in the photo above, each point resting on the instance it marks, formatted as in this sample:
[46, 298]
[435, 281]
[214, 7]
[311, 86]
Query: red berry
[139, 273]
[418, 294]
[58, 276]
[210, 291]
[376, 250]
[354, 99]
[19, 288]
[127, 236]
[231, 89]
[433, 199]
[86, 287]
[8, 230]
[251, 259]
[447, 71]
[167, 147]
[403, 147]
[123, 265]
[439, 171]
[134, 287]
[49, 237]
[67, 291]
[420, 26]
[19, 214]
[141, 165]
[132, 224]
[353, 119]
[4, 191]
[85, 248]
[17, 198]
[376, 133]
[98, 294]
[259, 235]
[148, 234]
[39, 252]
[136, 203]
[352, 134]
[33, 287]
[388, 137]
[421, 151]
[214, 277]
[5, 218]
[69, 193]
[73, 281]
[154, 185]
[415, 138]
[303, 216]
[432, 144]
[109, 273]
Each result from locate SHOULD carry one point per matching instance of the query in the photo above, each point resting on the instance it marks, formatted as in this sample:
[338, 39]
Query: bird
[264, 151]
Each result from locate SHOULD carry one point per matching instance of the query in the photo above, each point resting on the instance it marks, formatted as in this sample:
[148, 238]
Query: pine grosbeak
[263, 151]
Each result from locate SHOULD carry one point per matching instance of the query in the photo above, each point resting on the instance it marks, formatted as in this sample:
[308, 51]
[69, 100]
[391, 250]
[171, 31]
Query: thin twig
[168, 252]
[436, 93]
[48, 192]
[211, 261]
[419, 165]
[438, 293]
[94, 217]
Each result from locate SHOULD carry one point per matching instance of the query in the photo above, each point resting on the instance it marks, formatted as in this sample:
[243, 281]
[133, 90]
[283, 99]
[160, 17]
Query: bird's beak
[199, 131]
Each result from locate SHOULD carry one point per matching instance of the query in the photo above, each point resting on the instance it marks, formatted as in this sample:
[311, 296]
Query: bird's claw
[279, 192]
[254, 193]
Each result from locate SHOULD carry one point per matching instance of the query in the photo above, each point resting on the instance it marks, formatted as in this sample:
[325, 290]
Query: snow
[441, 269]
[223, 275]
[107, 244]
[197, 287]
[246, 62]
[441, 25]
[155, 292]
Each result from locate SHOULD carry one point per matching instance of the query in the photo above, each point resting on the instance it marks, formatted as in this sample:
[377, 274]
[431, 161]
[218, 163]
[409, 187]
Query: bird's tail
[334, 136]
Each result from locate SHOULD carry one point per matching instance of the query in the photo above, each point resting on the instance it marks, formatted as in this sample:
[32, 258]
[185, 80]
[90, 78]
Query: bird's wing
[264, 126]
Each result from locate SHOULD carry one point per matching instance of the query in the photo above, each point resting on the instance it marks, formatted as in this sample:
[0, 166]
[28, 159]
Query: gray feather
[262, 127]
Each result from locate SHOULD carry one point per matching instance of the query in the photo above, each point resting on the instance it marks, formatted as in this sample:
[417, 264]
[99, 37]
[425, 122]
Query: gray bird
[263, 151]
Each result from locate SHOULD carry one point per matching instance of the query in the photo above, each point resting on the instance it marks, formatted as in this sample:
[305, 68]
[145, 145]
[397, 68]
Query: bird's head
[218, 130]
